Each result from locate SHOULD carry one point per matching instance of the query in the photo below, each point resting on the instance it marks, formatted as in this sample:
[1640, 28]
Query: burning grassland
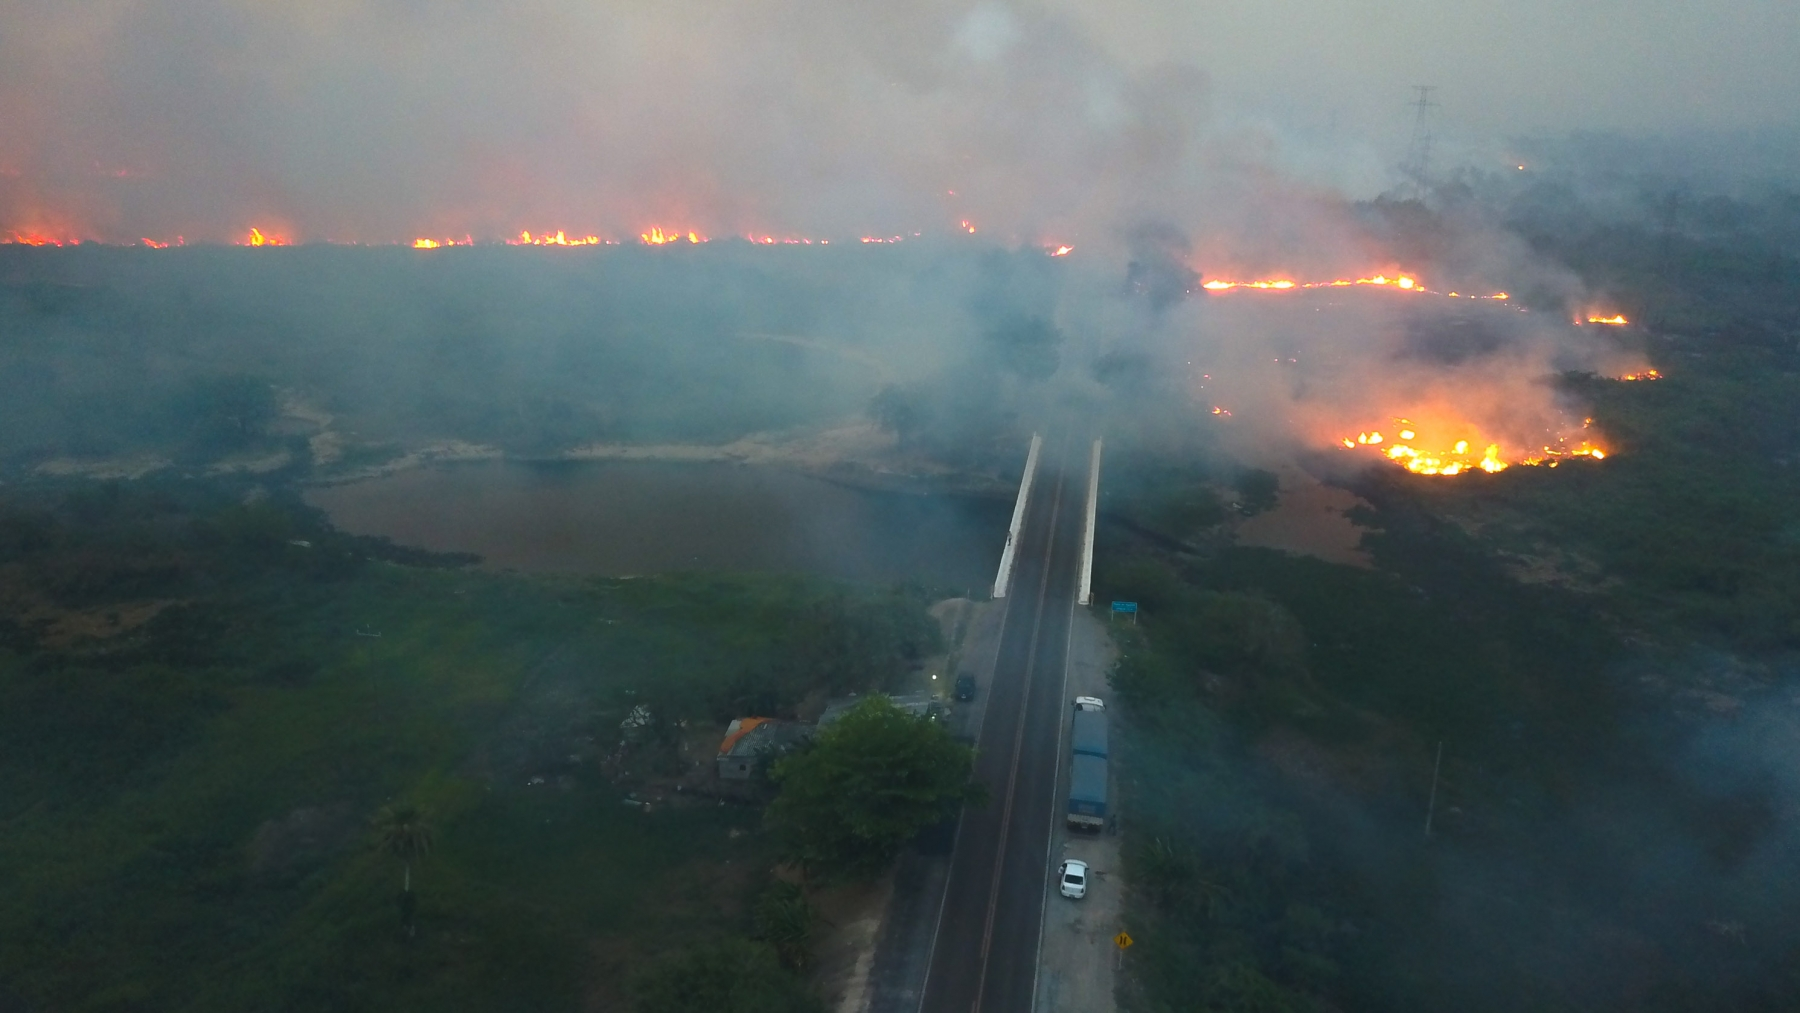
[1442, 455]
[1419, 380]
[652, 235]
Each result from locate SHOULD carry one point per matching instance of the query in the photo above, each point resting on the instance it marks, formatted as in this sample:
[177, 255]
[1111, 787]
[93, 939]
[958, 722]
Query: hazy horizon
[1058, 122]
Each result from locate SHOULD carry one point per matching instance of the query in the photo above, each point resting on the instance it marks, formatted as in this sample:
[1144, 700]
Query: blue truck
[1087, 793]
[1087, 771]
[1089, 734]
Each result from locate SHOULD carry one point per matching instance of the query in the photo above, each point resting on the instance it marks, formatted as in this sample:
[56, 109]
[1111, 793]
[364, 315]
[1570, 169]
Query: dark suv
[965, 687]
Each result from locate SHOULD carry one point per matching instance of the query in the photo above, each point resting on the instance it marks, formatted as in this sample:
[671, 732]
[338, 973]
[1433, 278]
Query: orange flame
[1403, 282]
[654, 236]
[559, 238]
[1616, 320]
[1062, 251]
[768, 240]
[1226, 286]
[1454, 457]
[657, 237]
[40, 239]
[1648, 374]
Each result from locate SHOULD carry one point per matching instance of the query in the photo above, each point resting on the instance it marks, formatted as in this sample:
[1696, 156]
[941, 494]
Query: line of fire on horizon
[660, 236]
[1405, 448]
[1398, 282]
[654, 236]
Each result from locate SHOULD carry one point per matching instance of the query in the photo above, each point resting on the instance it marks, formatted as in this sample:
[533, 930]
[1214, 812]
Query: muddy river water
[641, 517]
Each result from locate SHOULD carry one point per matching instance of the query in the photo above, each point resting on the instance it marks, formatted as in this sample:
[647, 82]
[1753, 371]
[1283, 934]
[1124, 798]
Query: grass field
[186, 803]
[1606, 654]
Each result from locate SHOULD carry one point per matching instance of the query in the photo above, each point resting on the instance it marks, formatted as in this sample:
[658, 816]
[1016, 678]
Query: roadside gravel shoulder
[1075, 965]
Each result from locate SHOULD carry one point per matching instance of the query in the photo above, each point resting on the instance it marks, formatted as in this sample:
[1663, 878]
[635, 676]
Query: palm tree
[403, 831]
[784, 919]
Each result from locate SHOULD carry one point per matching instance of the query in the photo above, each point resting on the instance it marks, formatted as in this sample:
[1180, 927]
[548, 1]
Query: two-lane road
[985, 952]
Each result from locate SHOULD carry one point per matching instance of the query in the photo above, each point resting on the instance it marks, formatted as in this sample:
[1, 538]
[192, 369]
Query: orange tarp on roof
[744, 726]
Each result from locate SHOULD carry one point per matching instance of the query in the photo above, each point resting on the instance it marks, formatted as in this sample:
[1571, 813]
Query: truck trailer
[1087, 793]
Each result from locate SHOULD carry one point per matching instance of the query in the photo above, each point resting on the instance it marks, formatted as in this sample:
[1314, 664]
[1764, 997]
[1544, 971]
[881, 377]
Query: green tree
[403, 830]
[784, 920]
[865, 786]
[1169, 873]
[731, 976]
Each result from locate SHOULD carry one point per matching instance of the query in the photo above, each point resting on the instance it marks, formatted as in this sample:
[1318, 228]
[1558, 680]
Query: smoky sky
[378, 120]
[1525, 66]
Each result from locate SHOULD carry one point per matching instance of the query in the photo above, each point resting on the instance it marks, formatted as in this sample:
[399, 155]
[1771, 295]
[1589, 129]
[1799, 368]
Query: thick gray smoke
[381, 120]
[376, 122]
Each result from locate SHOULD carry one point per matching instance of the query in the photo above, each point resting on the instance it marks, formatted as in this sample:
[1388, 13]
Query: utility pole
[1417, 166]
[1431, 809]
[1669, 216]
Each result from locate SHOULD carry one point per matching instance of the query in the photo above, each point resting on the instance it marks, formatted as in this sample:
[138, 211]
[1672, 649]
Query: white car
[1073, 879]
[1089, 703]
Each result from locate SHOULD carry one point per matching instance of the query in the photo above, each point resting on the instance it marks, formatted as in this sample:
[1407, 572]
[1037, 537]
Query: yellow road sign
[1122, 939]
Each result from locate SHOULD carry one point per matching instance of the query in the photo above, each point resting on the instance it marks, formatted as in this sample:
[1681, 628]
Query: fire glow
[767, 240]
[1399, 283]
[1616, 320]
[1440, 457]
[557, 238]
[654, 236]
[657, 237]
[40, 239]
[1403, 282]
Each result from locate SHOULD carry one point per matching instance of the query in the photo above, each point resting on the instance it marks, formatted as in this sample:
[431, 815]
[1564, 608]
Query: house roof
[739, 728]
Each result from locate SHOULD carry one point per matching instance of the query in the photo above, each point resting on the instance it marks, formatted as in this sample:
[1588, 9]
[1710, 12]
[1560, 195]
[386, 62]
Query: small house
[751, 742]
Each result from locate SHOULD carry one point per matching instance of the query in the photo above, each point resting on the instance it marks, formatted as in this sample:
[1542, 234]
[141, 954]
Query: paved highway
[985, 952]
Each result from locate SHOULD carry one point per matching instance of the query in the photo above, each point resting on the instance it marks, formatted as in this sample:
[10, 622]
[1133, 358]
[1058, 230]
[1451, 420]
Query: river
[641, 517]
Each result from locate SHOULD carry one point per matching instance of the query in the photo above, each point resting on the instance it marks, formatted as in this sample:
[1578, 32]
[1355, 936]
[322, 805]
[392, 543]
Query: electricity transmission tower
[1417, 167]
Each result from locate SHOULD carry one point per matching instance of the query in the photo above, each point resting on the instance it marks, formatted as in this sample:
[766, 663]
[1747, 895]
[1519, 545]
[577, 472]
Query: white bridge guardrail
[1087, 533]
[1004, 577]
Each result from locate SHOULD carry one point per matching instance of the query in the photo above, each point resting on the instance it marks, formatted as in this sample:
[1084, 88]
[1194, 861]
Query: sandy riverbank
[855, 453]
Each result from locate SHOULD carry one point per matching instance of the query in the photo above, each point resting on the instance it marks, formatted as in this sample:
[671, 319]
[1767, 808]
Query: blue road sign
[1124, 606]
